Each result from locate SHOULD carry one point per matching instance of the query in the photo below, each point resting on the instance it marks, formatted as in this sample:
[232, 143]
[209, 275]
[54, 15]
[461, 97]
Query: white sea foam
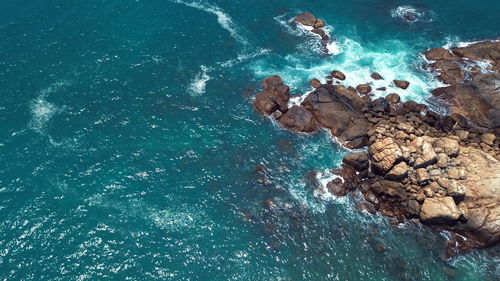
[199, 83]
[224, 20]
[42, 110]
[358, 63]
[244, 57]
[411, 14]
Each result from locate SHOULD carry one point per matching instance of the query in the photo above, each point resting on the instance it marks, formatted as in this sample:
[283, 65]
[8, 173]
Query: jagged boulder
[274, 97]
[384, 155]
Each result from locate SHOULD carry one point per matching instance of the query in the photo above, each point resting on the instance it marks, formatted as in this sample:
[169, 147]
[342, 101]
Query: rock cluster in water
[442, 170]
[317, 25]
[474, 92]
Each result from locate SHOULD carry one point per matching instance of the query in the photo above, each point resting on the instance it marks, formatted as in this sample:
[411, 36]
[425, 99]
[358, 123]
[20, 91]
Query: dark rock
[306, 18]
[358, 160]
[393, 98]
[481, 51]
[364, 89]
[337, 75]
[298, 119]
[478, 100]
[272, 99]
[449, 72]
[436, 54]
[401, 84]
[376, 76]
[337, 187]
[339, 110]
[315, 83]
[390, 188]
[318, 31]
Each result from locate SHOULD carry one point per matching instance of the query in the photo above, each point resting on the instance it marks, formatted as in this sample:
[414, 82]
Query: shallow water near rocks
[129, 142]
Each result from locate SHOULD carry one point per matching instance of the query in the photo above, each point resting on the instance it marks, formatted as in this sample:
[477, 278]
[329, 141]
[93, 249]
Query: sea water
[129, 144]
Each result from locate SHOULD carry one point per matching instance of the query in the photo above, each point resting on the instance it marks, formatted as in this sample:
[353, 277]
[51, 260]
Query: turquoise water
[129, 142]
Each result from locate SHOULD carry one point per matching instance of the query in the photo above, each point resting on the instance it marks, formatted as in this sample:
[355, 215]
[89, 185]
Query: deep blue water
[128, 141]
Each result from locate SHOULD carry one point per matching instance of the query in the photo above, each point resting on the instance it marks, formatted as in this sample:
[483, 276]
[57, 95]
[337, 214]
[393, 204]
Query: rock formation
[473, 94]
[441, 170]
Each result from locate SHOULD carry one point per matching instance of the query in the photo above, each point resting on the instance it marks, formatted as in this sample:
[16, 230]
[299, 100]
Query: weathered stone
[393, 98]
[306, 18]
[337, 75]
[456, 190]
[384, 153]
[358, 160]
[315, 83]
[364, 89]
[338, 109]
[488, 139]
[401, 84]
[439, 210]
[440, 54]
[427, 157]
[376, 76]
[422, 176]
[399, 171]
[390, 188]
[298, 119]
[478, 99]
[448, 146]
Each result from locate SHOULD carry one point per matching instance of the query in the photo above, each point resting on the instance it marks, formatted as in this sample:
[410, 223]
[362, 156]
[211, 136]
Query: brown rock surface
[298, 119]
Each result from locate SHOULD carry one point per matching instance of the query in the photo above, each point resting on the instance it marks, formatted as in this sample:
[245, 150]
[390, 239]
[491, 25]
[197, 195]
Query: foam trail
[223, 19]
[199, 83]
[244, 57]
[42, 110]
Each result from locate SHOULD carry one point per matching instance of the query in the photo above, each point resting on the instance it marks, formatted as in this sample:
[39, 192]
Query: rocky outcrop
[274, 97]
[474, 91]
[309, 20]
[338, 110]
[478, 99]
[298, 119]
[442, 170]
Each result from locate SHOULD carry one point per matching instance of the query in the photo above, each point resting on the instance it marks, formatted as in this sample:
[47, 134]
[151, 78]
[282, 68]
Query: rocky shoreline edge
[419, 165]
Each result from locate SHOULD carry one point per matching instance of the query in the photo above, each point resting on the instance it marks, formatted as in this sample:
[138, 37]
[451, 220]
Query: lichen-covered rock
[439, 210]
